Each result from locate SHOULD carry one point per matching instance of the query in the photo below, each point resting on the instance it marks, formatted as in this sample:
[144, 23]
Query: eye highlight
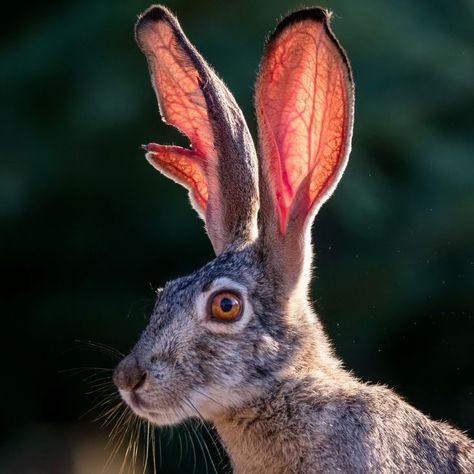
[225, 306]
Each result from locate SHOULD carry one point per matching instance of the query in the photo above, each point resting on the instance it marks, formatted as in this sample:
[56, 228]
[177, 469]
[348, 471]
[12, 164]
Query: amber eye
[226, 306]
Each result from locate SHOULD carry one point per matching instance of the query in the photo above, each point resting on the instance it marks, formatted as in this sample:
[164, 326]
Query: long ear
[305, 105]
[220, 167]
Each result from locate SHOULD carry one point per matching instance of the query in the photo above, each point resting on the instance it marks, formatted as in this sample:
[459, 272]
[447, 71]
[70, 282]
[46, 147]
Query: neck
[264, 435]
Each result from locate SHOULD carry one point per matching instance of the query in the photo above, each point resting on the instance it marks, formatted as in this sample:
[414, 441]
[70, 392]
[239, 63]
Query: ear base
[220, 168]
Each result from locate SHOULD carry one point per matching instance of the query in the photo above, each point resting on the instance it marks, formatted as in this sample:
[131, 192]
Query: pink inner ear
[302, 106]
[182, 103]
[185, 167]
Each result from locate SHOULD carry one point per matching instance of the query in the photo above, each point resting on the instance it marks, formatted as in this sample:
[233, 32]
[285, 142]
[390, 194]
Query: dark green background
[88, 228]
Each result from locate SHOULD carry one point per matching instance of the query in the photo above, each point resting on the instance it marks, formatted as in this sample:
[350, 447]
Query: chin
[165, 418]
[158, 416]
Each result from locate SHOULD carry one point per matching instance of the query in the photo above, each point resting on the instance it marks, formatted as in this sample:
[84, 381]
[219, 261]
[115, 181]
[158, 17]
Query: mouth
[137, 402]
[144, 409]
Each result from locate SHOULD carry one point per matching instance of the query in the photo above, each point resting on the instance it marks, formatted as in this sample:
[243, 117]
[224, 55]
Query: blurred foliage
[88, 228]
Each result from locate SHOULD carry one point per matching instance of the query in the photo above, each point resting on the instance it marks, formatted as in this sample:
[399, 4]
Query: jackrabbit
[237, 341]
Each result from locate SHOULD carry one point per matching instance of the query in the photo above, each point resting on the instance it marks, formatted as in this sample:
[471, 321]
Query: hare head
[228, 332]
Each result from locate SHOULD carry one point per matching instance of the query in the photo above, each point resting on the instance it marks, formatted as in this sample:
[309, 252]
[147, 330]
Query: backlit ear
[220, 167]
[304, 102]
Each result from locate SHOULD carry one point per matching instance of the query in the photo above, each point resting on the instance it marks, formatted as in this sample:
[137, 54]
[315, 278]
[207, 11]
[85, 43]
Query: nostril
[141, 381]
[128, 375]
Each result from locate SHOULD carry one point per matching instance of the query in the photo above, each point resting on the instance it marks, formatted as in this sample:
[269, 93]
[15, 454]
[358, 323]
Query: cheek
[267, 347]
[215, 361]
[207, 358]
[170, 384]
[265, 358]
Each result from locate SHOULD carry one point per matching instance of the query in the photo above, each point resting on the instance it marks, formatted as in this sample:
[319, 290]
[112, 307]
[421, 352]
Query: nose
[128, 375]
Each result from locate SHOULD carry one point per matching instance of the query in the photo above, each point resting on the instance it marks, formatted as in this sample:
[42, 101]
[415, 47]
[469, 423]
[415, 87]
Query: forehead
[237, 266]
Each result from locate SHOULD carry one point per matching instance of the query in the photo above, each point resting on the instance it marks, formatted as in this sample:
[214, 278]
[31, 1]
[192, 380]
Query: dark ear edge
[157, 13]
[232, 179]
[319, 15]
[324, 16]
[153, 13]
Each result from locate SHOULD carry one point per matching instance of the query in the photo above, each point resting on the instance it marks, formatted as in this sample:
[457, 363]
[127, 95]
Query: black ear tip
[153, 14]
[317, 14]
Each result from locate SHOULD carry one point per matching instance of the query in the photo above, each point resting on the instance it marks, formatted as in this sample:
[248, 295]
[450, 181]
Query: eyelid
[225, 290]
[211, 297]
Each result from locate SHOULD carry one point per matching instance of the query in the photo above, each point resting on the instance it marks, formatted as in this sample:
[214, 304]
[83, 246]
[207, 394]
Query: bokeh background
[88, 229]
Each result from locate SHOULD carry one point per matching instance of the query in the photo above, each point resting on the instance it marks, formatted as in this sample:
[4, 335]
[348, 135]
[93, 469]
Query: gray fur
[271, 384]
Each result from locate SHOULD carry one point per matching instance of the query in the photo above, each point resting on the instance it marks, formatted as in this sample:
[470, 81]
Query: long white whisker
[208, 431]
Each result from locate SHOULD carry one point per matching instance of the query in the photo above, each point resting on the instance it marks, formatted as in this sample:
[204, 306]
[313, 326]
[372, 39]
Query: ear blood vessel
[289, 405]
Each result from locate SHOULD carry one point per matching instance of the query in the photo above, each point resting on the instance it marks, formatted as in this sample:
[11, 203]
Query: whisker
[202, 446]
[98, 403]
[153, 448]
[186, 446]
[118, 432]
[107, 413]
[114, 415]
[147, 439]
[103, 385]
[160, 452]
[208, 431]
[130, 427]
[100, 347]
[120, 422]
[75, 370]
[192, 447]
[209, 397]
[136, 442]
[126, 430]
[180, 449]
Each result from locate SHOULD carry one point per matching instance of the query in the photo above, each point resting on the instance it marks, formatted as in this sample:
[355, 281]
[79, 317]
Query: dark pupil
[226, 304]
